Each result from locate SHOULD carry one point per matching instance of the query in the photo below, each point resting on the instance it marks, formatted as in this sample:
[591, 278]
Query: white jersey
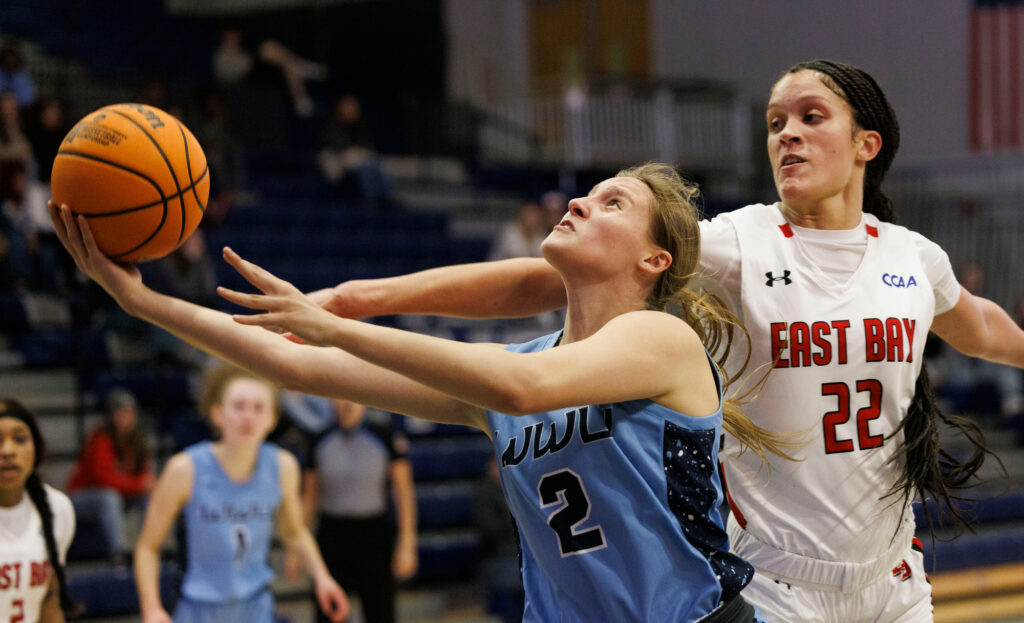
[25, 571]
[848, 350]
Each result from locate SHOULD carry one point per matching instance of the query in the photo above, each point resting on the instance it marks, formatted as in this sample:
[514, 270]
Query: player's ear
[657, 261]
[870, 144]
[216, 412]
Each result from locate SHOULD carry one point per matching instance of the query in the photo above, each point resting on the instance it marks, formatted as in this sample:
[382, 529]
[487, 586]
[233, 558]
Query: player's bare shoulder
[693, 391]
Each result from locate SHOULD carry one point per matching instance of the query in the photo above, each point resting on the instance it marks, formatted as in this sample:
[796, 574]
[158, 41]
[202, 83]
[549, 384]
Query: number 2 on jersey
[17, 617]
[841, 415]
[566, 487]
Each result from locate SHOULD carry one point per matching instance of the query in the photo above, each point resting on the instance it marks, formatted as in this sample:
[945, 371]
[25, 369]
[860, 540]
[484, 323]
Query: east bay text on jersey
[824, 342]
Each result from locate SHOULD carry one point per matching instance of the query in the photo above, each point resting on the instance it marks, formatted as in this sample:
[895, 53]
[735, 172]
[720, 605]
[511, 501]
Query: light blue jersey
[228, 526]
[617, 510]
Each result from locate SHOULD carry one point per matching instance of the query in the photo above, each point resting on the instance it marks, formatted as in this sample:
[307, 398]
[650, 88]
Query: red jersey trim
[787, 231]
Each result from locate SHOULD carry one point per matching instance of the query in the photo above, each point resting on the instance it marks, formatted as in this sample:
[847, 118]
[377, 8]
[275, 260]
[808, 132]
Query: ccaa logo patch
[898, 281]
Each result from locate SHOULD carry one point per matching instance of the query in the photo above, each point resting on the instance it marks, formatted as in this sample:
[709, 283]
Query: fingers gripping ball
[139, 177]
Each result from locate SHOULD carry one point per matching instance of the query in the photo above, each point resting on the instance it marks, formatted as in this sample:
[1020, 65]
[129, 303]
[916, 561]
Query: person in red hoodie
[113, 472]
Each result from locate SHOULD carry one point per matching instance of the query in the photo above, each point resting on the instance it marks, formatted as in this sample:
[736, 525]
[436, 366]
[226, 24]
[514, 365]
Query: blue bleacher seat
[448, 505]
[992, 545]
[50, 348]
[448, 556]
[90, 542]
[448, 459]
[985, 507]
[106, 592]
[13, 318]
[154, 387]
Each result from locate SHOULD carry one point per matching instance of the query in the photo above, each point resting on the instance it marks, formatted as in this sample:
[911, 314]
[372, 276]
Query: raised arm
[321, 371]
[502, 289]
[978, 327]
[641, 354]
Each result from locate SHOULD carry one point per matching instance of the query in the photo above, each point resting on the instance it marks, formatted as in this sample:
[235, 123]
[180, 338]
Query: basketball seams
[163, 198]
[146, 206]
[192, 184]
[167, 161]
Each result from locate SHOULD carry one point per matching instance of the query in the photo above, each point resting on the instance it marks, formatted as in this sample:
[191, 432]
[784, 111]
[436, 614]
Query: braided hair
[37, 493]
[928, 471]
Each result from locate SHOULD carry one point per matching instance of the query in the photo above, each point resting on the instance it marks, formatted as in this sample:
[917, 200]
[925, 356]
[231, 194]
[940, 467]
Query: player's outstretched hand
[286, 307]
[332, 600]
[118, 280]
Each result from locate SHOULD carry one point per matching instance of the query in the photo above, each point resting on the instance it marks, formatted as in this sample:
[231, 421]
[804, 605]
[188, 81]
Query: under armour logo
[772, 279]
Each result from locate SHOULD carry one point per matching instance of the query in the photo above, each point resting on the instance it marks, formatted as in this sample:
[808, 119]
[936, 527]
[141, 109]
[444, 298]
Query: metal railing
[698, 130]
[972, 207]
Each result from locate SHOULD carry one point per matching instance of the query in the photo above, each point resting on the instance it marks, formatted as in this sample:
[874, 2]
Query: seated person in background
[15, 78]
[31, 245]
[114, 471]
[347, 155]
[521, 237]
[232, 64]
[46, 128]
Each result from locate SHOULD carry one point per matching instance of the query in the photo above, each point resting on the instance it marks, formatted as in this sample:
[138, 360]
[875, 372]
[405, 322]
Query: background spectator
[555, 204]
[31, 245]
[975, 386]
[114, 471]
[522, 236]
[47, 126]
[224, 155]
[14, 78]
[14, 146]
[232, 64]
[347, 157]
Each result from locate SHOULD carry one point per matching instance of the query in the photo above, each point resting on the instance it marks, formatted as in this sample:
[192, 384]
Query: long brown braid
[928, 471]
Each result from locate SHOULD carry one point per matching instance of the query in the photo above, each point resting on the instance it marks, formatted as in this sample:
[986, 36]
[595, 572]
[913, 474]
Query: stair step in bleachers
[41, 390]
[159, 388]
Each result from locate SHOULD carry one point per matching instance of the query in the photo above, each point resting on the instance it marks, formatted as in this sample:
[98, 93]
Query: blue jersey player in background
[606, 431]
[232, 493]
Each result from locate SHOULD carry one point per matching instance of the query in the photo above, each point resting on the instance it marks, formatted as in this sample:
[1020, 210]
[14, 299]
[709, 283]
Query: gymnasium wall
[917, 49]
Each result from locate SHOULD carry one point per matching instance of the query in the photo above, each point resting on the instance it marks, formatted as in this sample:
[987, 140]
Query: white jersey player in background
[841, 301]
[37, 524]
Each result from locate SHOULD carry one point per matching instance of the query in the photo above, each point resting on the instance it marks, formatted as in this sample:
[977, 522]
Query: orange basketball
[139, 177]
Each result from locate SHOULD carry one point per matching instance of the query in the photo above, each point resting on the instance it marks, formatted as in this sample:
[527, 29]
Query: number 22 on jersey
[831, 420]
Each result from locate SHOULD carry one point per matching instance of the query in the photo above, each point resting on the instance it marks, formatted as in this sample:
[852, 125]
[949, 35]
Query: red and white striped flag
[996, 81]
